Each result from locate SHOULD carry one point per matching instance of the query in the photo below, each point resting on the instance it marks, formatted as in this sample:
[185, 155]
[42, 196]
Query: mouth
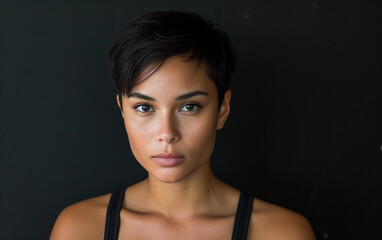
[168, 159]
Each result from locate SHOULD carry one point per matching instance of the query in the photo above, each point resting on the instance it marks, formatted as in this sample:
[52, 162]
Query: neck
[195, 195]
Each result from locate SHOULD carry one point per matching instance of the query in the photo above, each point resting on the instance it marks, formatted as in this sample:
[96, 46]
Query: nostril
[167, 139]
[168, 131]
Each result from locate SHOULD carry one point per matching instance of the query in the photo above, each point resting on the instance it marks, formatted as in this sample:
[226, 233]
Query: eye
[190, 107]
[144, 108]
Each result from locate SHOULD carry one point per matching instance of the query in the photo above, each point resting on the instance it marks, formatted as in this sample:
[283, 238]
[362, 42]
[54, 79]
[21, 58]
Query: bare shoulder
[82, 220]
[269, 222]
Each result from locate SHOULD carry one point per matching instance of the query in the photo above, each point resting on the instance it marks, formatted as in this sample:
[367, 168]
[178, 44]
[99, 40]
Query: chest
[158, 228]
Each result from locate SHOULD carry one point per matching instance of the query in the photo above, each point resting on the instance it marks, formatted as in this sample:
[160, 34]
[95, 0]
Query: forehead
[176, 75]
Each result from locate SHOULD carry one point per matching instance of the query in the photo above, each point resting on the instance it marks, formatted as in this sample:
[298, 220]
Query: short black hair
[143, 45]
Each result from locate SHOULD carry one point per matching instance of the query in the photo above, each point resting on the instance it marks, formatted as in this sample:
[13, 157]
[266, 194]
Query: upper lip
[168, 155]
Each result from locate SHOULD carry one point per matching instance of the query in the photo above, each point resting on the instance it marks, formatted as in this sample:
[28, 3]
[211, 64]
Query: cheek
[197, 135]
[138, 135]
[201, 136]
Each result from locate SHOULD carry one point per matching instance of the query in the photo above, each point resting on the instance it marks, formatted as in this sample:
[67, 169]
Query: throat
[184, 199]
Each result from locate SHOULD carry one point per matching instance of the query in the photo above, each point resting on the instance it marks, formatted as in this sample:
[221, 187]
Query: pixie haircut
[145, 43]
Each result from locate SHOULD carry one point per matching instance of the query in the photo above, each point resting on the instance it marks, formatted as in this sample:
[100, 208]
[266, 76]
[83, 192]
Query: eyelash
[141, 105]
[197, 106]
[191, 104]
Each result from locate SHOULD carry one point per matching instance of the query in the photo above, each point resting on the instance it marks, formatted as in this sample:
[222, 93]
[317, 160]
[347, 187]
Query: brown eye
[144, 108]
[189, 108]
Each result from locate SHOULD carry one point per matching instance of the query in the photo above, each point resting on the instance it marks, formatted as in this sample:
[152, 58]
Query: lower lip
[168, 162]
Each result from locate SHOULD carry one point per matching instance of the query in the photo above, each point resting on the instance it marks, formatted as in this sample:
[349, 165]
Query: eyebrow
[181, 97]
[190, 95]
[141, 96]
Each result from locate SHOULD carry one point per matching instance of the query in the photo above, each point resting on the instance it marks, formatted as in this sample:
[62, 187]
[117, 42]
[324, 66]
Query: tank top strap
[242, 217]
[113, 215]
[240, 228]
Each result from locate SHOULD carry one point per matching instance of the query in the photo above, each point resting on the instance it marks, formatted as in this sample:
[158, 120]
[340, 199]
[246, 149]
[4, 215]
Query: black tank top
[240, 227]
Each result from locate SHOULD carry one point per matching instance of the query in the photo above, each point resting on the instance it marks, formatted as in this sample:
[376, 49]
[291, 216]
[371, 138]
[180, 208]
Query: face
[171, 119]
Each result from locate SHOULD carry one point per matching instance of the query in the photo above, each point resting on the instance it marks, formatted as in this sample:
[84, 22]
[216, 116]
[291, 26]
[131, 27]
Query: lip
[168, 159]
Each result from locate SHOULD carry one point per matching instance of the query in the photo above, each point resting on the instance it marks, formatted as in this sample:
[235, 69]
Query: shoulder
[269, 221]
[82, 220]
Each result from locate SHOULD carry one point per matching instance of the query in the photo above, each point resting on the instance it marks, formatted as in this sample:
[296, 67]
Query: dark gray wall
[304, 131]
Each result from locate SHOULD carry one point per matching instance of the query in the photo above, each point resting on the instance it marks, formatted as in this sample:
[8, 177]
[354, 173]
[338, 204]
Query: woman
[171, 71]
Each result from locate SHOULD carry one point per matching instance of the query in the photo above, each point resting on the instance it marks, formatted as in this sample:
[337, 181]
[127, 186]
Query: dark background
[304, 131]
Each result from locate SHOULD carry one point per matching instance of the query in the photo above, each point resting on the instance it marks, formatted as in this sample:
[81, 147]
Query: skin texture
[185, 200]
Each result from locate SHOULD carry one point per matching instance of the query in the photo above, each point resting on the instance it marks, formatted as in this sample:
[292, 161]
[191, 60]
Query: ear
[119, 103]
[224, 109]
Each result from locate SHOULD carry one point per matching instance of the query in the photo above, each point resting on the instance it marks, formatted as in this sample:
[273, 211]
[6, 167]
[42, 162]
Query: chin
[169, 176]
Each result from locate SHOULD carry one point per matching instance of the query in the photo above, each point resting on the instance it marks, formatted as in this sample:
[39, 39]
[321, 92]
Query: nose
[168, 129]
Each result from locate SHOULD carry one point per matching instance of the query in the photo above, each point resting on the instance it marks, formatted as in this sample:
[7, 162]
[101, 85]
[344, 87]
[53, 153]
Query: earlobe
[119, 103]
[224, 109]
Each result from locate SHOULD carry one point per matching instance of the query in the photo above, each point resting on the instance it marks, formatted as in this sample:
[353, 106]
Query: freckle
[197, 202]
[208, 190]
[155, 186]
